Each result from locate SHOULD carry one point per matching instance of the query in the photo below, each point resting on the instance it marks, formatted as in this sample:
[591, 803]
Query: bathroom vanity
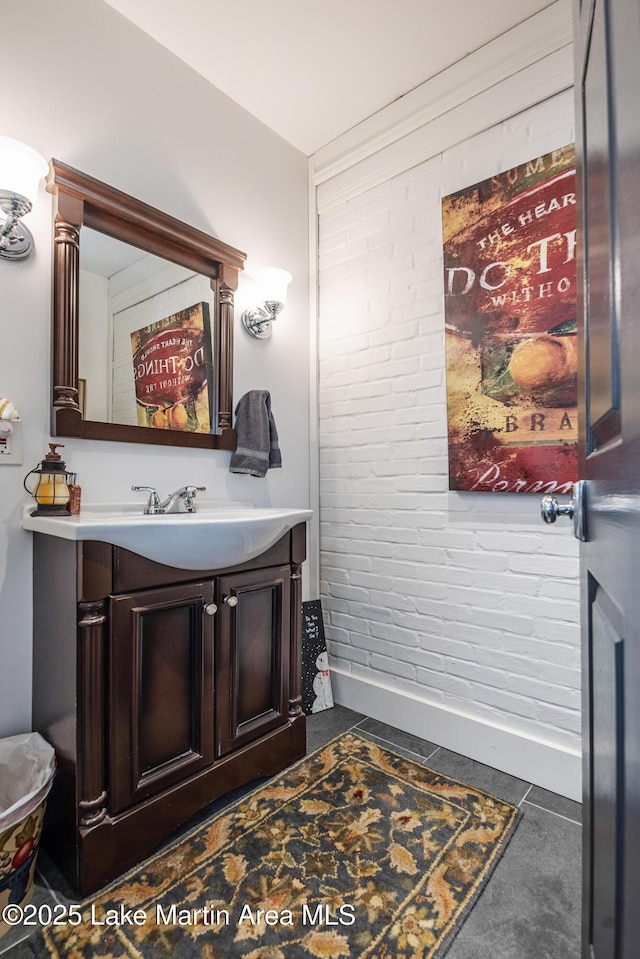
[161, 688]
[166, 659]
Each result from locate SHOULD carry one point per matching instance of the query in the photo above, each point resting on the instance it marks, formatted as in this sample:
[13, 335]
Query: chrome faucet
[185, 495]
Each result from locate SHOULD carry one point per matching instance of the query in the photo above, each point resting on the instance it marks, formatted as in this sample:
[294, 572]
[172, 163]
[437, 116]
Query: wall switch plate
[10, 443]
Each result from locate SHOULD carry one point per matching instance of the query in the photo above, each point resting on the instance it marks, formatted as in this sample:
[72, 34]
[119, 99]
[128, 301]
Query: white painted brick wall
[459, 599]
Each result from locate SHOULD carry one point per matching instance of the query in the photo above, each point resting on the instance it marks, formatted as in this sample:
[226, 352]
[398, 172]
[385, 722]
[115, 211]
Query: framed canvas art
[510, 329]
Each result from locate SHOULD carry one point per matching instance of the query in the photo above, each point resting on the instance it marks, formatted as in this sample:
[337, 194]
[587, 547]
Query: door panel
[165, 670]
[607, 71]
[161, 690]
[255, 618]
[607, 764]
[602, 354]
[252, 655]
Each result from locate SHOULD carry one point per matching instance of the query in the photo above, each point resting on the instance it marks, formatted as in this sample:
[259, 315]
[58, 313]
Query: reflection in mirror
[145, 345]
[143, 315]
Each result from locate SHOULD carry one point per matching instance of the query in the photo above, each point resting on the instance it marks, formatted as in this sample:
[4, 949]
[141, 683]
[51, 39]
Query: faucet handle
[189, 496]
[153, 503]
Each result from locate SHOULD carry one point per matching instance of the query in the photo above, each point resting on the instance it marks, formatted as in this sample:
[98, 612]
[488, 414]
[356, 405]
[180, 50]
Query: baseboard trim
[538, 762]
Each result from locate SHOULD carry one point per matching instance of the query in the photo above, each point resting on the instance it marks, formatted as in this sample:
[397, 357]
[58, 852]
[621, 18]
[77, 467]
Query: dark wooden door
[161, 690]
[607, 83]
[252, 655]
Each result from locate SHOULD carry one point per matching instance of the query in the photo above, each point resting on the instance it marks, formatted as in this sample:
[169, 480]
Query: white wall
[452, 615]
[93, 91]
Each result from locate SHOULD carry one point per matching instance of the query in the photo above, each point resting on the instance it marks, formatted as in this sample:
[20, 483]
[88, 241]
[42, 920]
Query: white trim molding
[313, 548]
[544, 764]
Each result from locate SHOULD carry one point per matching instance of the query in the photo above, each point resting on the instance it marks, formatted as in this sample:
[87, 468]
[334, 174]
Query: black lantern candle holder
[51, 491]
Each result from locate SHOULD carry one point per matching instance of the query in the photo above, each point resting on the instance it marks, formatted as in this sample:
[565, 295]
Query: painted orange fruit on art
[544, 362]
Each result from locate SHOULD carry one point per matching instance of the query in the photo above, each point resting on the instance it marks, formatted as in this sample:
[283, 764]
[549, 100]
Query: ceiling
[311, 71]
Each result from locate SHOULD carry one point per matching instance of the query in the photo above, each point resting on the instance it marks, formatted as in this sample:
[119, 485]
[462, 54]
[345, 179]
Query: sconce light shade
[273, 284]
[21, 169]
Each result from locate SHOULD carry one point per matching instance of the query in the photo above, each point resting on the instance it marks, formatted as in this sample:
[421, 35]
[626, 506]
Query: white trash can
[27, 767]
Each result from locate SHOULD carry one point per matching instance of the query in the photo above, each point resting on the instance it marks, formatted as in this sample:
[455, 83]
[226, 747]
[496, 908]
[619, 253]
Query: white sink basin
[212, 538]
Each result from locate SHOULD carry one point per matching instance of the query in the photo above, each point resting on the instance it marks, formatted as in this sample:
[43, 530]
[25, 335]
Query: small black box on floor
[316, 679]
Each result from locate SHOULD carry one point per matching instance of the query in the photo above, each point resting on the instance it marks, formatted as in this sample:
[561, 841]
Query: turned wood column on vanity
[92, 649]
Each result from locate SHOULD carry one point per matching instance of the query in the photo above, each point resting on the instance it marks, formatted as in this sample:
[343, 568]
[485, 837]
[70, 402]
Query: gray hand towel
[258, 448]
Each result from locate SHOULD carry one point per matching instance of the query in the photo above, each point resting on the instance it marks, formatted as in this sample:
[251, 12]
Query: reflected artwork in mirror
[143, 314]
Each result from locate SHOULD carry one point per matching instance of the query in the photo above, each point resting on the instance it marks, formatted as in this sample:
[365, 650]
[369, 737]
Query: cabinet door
[252, 655]
[161, 690]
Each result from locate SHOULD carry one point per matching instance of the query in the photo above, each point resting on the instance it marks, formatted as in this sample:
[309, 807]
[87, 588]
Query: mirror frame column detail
[66, 266]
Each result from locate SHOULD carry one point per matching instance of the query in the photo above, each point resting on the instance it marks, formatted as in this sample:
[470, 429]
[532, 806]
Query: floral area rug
[354, 851]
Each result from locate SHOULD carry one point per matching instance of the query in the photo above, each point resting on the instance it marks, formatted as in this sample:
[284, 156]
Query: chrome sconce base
[259, 322]
[16, 241]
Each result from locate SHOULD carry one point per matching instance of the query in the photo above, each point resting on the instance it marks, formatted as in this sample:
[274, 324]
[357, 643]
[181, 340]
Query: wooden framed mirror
[169, 276]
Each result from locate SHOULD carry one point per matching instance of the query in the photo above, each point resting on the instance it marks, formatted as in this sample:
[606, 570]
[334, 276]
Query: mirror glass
[145, 349]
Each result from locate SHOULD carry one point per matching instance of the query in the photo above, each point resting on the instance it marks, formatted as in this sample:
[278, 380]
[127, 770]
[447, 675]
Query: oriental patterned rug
[354, 851]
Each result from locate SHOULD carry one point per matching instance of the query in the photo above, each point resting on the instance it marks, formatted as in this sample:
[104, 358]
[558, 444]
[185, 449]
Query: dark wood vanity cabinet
[160, 689]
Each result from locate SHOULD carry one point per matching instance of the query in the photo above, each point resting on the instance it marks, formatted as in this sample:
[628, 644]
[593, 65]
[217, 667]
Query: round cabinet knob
[231, 600]
[210, 609]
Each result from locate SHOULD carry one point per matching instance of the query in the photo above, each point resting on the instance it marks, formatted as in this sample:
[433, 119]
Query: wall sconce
[273, 285]
[21, 170]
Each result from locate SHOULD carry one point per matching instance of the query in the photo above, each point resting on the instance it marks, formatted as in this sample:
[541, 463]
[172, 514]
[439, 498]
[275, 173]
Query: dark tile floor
[530, 908]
